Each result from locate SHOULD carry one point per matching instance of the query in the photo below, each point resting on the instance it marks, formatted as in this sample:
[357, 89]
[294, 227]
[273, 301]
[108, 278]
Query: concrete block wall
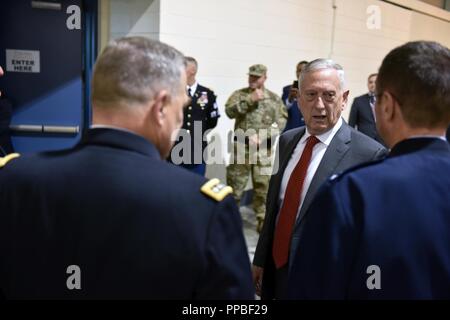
[227, 37]
[134, 18]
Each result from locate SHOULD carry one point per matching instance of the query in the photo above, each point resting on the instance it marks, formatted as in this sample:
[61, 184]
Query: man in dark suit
[110, 218]
[362, 113]
[289, 97]
[381, 230]
[200, 116]
[329, 146]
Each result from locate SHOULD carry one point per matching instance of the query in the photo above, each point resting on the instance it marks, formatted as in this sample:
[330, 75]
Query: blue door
[46, 52]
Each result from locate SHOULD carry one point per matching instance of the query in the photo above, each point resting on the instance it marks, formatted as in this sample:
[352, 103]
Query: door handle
[45, 5]
[27, 128]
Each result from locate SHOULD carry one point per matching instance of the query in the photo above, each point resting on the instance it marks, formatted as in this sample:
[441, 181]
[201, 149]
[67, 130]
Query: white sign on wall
[23, 61]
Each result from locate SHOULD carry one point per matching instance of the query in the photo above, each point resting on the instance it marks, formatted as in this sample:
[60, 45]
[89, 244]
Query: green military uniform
[267, 118]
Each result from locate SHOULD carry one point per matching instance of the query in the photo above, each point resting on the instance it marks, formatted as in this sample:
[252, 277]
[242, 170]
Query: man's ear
[158, 111]
[345, 99]
[389, 106]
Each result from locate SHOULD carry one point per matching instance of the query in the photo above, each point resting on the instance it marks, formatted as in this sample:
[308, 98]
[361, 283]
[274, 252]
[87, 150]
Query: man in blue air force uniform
[110, 218]
[381, 230]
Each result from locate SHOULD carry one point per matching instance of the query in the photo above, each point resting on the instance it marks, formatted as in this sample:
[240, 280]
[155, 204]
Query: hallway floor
[249, 223]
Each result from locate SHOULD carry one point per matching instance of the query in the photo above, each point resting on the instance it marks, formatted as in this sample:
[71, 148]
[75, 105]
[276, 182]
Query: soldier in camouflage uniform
[260, 116]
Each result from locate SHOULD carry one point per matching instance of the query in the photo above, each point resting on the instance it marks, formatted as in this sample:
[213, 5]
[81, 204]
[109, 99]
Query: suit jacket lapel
[333, 155]
[369, 109]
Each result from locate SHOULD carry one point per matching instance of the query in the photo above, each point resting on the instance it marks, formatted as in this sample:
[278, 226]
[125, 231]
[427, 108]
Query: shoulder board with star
[216, 190]
[6, 159]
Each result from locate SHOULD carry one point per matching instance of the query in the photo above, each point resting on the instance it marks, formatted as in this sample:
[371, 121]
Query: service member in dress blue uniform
[295, 118]
[381, 230]
[200, 116]
[110, 218]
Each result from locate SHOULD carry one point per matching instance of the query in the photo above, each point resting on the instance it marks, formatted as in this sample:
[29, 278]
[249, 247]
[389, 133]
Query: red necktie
[288, 212]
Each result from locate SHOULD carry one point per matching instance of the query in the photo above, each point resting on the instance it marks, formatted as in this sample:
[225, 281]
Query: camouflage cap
[257, 70]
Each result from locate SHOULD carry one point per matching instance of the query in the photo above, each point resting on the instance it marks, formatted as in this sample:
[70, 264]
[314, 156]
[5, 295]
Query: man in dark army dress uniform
[111, 218]
[200, 115]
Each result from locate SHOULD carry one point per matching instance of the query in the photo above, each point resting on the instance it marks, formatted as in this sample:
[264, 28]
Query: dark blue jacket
[137, 226]
[393, 214]
[362, 117]
[295, 118]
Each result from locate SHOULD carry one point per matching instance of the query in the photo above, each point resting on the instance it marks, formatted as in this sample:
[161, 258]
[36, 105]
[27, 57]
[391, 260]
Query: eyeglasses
[327, 96]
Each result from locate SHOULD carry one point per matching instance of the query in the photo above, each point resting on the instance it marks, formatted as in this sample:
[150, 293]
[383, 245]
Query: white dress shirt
[193, 88]
[317, 155]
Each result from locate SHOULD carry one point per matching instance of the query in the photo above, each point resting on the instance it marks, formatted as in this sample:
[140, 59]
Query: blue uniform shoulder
[339, 176]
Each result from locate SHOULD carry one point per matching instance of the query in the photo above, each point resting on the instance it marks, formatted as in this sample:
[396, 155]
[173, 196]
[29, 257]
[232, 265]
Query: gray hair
[320, 64]
[134, 69]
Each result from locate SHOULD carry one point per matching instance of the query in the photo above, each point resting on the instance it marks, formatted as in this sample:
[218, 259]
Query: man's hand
[292, 94]
[257, 95]
[257, 273]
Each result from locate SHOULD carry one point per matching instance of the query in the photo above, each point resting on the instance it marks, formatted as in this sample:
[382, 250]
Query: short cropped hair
[132, 70]
[320, 64]
[190, 60]
[372, 75]
[417, 74]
